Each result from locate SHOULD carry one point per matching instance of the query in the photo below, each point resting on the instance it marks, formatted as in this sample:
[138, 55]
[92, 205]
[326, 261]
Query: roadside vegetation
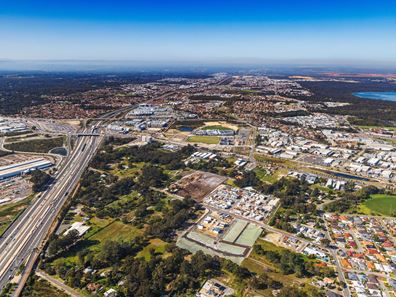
[40, 180]
[9, 212]
[37, 287]
[35, 145]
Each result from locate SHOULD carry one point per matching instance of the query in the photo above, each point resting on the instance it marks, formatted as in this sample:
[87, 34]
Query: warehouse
[23, 168]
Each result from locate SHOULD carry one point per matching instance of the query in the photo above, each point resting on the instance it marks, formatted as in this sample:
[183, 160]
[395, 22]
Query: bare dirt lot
[16, 158]
[221, 123]
[198, 184]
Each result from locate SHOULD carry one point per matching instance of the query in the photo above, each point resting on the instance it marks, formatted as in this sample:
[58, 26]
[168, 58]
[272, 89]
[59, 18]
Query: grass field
[157, 245]
[116, 230]
[379, 204]
[204, 139]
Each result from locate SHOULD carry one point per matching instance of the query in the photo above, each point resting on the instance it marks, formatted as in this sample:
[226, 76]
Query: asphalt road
[28, 232]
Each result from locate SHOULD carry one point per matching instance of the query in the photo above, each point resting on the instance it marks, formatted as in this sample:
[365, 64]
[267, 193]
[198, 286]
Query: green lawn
[204, 139]
[379, 204]
[118, 231]
[155, 244]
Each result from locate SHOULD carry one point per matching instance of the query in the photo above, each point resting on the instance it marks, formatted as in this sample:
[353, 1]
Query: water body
[59, 150]
[345, 175]
[387, 96]
[185, 129]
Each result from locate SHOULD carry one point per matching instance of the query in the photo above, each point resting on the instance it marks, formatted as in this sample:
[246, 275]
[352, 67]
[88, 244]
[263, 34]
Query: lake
[388, 96]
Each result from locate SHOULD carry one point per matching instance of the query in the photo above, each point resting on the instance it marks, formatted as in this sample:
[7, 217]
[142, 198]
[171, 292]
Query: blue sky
[203, 30]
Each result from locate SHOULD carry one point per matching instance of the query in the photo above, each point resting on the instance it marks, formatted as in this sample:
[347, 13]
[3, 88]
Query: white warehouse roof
[23, 167]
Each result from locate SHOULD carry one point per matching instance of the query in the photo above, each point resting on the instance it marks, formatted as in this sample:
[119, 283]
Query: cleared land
[198, 184]
[225, 125]
[204, 239]
[204, 139]
[194, 247]
[215, 127]
[235, 230]
[230, 248]
[380, 204]
[249, 235]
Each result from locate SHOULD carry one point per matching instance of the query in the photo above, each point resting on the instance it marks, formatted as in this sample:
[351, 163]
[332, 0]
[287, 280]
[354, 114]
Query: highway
[28, 233]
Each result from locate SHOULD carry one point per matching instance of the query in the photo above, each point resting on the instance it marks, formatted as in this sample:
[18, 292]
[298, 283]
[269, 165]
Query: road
[28, 232]
[340, 272]
[25, 238]
[58, 284]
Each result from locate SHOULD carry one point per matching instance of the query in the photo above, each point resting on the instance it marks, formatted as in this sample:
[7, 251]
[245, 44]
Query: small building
[110, 293]
[79, 227]
[214, 288]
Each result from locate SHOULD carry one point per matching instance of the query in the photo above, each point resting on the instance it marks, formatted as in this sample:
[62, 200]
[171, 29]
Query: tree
[291, 292]
[325, 242]
[39, 179]
[349, 186]
[61, 243]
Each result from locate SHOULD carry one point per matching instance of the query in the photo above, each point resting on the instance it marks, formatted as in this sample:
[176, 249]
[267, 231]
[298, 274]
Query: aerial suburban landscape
[154, 168]
[246, 184]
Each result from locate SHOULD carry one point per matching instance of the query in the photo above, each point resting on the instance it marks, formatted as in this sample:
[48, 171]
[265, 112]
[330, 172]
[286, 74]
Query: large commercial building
[23, 168]
[12, 126]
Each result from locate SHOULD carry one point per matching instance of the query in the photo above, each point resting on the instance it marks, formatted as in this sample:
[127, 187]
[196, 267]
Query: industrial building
[22, 168]
[12, 126]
